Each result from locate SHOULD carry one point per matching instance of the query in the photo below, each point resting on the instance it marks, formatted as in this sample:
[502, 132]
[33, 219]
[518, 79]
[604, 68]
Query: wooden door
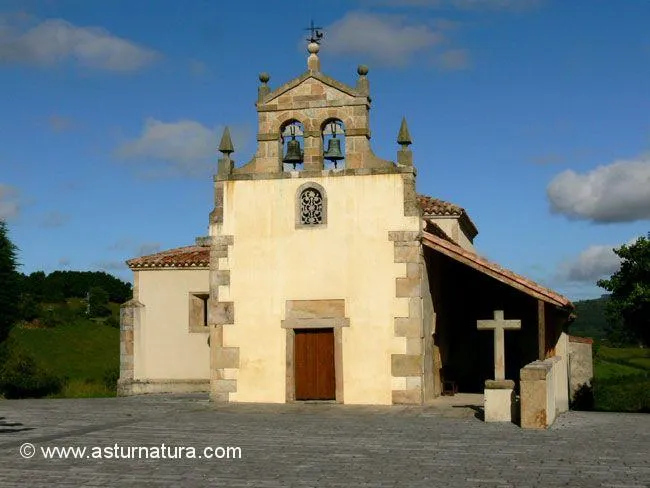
[314, 364]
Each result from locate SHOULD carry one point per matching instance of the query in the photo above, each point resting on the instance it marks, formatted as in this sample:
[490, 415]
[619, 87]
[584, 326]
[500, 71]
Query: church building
[327, 276]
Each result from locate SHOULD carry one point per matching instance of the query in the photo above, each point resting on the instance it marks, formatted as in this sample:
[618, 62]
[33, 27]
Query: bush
[98, 302]
[622, 393]
[30, 308]
[110, 378]
[57, 315]
[112, 321]
[22, 377]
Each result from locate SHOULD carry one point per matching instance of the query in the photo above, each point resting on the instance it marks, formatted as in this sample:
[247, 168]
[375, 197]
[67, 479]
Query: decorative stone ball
[313, 47]
[264, 77]
[362, 69]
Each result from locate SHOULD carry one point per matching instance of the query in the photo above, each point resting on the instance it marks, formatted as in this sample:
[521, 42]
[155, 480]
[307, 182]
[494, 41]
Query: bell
[294, 154]
[333, 152]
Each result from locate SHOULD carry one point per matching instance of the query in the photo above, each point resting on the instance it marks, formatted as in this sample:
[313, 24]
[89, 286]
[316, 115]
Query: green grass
[76, 388]
[621, 379]
[622, 353]
[643, 363]
[607, 370]
[82, 351]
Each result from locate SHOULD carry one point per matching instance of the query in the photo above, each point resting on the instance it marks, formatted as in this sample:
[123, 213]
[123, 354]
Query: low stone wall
[581, 364]
[541, 386]
[139, 387]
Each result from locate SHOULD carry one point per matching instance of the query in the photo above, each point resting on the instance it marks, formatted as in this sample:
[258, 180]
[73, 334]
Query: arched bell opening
[333, 132]
[292, 138]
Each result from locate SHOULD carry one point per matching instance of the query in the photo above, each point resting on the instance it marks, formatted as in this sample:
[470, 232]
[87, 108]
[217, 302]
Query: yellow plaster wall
[351, 258]
[163, 346]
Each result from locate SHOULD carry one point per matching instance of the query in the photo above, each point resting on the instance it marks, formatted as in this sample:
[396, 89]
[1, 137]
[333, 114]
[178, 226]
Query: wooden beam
[541, 330]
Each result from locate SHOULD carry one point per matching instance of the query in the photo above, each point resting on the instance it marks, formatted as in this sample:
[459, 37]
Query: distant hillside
[591, 321]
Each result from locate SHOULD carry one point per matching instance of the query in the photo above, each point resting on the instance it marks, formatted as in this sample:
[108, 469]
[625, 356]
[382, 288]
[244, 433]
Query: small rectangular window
[198, 320]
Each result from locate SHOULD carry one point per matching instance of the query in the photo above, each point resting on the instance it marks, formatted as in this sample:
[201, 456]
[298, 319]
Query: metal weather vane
[316, 34]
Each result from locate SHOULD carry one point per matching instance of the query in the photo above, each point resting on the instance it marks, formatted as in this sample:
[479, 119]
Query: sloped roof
[434, 207]
[180, 257]
[495, 271]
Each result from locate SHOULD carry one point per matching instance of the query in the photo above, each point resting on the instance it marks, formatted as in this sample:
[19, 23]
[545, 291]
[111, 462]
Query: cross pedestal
[498, 393]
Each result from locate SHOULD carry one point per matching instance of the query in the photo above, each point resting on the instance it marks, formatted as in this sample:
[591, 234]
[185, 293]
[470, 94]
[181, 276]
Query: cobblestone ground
[317, 445]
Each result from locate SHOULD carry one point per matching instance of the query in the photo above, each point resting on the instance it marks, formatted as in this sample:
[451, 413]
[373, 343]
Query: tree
[98, 302]
[629, 303]
[9, 284]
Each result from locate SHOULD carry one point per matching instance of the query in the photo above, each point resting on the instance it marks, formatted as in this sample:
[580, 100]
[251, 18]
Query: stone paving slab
[308, 445]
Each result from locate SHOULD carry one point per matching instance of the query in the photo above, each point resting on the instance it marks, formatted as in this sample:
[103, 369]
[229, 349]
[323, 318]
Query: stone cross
[498, 325]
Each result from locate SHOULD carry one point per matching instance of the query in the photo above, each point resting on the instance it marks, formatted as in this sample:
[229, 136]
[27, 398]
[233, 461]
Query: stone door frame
[314, 314]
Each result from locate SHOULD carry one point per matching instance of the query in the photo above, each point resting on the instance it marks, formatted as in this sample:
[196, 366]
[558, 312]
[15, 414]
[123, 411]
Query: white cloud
[185, 146]
[386, 39]
[56, 40]
[595, 262]
[618, 192]
[9, 202]
[64, 261]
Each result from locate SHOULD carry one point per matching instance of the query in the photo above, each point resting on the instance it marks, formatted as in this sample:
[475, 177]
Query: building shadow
[11, 427]
[479, 412]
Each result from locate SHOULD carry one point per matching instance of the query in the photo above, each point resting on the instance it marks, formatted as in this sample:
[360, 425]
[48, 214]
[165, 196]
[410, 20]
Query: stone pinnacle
[225, 146]
[403, 137]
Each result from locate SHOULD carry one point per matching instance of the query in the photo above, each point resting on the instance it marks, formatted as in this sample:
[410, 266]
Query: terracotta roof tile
[180, 257]
[489, 268]
[435, 206]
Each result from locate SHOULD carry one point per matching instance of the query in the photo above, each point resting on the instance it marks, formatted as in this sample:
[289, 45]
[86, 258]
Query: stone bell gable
[313, 100]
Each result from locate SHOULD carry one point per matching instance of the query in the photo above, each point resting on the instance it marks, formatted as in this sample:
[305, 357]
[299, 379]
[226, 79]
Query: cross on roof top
[316, 34]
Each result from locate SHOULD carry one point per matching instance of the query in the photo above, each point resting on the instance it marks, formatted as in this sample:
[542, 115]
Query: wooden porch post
[541, 330]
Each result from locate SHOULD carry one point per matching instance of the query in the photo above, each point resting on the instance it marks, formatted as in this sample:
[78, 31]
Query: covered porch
[464, 288]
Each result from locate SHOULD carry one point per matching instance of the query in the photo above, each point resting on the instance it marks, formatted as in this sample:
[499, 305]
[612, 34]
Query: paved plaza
[314, 445]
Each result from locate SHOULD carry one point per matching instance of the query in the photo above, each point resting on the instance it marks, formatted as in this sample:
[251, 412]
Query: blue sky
[533, 115]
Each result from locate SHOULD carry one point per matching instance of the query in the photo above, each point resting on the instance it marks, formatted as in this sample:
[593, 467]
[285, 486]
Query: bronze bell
[294, 154]
[333, 152]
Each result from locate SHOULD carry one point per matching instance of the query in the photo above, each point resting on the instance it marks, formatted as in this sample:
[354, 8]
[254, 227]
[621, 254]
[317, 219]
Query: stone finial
[362, 83]
[226, 164]
[225, 146]
[313, 63]
[404, 155]
[403, 137]
[264, 89]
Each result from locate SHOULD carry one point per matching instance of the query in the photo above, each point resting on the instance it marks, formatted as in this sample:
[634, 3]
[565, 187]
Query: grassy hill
[621, 379]
[86, 352]
[590, 321]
